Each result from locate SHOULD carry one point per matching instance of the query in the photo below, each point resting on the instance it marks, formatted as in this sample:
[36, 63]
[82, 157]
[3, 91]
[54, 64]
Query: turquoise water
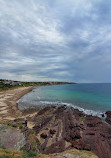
[90, 98]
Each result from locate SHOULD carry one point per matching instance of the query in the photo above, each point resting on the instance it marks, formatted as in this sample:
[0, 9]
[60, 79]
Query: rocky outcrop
[11, 137]
[57, 129]
[62, 128]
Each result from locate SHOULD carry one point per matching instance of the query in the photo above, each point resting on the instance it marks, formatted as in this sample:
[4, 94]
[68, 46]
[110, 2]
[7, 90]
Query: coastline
[8, 102]
[55, 129]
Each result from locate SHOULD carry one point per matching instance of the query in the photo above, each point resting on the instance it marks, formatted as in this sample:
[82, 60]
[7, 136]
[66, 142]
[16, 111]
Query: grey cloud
[55, 40]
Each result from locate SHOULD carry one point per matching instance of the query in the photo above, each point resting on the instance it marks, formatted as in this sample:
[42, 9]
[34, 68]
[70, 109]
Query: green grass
[81, 119]
[4, 153]
[4, 156]
[2, 147]
[29, 154]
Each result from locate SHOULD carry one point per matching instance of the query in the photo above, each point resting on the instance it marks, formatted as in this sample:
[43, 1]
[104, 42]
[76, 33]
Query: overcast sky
[47, 40]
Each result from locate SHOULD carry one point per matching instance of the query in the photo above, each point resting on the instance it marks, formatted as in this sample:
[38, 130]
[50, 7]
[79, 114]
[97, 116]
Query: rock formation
[62, 128]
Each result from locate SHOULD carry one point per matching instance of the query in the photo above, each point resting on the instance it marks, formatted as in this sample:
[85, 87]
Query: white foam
[85, 111]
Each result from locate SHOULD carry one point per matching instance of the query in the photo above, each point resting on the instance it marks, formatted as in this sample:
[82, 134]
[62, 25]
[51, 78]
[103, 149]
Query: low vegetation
[7, 84]
[68, 154]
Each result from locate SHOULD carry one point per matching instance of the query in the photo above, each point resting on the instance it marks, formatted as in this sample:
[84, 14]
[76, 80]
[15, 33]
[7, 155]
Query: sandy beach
[8, 103]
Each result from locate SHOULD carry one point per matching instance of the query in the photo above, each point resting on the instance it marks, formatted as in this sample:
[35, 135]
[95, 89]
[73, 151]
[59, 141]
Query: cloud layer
[65, 40]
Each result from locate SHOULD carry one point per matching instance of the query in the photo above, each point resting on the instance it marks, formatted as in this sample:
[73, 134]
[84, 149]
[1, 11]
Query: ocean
[93, 99]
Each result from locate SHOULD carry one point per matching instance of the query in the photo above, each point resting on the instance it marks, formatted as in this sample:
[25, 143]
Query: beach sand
[8, 103]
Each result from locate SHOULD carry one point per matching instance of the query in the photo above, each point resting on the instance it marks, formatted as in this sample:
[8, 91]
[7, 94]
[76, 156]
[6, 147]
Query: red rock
[56, 147]
[87, 147]
[78, 144]
[92, 134]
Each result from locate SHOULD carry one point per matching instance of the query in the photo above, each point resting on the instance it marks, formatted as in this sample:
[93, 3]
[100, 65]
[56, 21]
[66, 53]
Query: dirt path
[8, 103]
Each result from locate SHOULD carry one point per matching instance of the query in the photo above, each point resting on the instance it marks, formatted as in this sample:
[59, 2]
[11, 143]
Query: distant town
[7, 84]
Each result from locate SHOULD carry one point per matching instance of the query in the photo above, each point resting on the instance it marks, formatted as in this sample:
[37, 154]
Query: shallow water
[90, 98]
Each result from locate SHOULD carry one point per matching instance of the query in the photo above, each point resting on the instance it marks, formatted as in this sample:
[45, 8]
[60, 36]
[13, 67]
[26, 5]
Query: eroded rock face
[62, 128]
[11, 138]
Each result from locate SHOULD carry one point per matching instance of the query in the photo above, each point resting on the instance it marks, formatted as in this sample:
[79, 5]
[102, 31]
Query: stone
[43, 135]
[52, 131]
[103, 115]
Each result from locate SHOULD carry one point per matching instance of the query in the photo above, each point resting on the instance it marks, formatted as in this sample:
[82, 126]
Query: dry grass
[70, 154]
[10, 154]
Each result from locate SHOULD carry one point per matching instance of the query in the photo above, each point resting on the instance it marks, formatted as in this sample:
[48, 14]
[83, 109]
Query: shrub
[29, 154]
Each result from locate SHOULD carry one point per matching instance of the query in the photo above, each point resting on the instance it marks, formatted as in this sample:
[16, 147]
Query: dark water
[90, 98]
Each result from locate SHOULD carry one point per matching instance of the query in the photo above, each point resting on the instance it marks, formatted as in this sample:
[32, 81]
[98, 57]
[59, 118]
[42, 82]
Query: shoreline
[57, 129]
[8, 102]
